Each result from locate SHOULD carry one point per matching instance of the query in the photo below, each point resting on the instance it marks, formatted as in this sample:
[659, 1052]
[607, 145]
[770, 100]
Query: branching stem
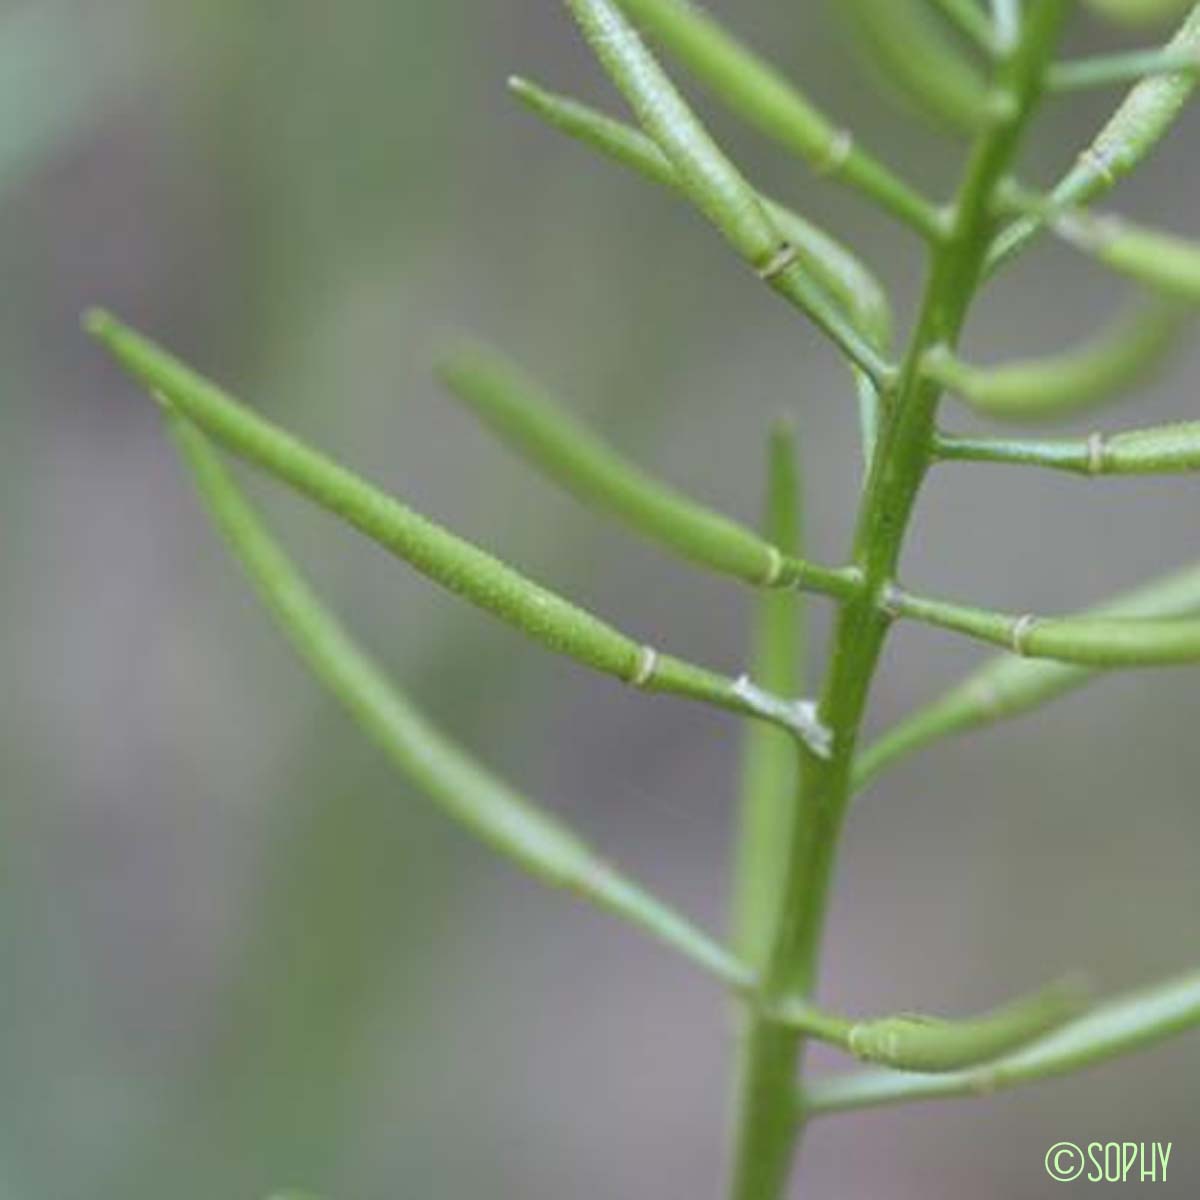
[899, 467]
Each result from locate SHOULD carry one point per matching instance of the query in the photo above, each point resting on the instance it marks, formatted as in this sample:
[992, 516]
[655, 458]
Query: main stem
[769, 1119]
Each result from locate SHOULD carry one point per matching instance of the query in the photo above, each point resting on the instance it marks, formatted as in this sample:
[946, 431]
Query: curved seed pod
[1160, 260]
[467, 792]
[763, 97]
[1008, 686]
[1139, 124]
[709, 180]
[541, 430]
[912, 50]
[832, 265]
[1063, 385]
[438, 554]
[1089, 641]
[912, 1042]
[1118, 1027]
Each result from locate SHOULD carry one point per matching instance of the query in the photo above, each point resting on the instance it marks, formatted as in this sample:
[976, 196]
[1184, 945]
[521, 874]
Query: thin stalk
[1163, 450]
[895, 479]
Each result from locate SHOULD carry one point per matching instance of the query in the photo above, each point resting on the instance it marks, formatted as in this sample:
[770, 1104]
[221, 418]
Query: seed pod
[466, 791]
[763, 97]
[527, 418]
[912, 1042]
[836, 268]
[1063, 385]
[440, 555]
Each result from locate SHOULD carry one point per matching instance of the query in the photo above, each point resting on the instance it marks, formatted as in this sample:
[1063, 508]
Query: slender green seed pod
[913, 52]
[1141, 121]
[1088, 641]
[928, 1045]
[1131, 350]
[1008, 687]
[445, 558]
[543, 432]
[763, 97]
[769, 761]
[1163, 450]
[1159, 260]
[466, 791]
[710, 181]
[1113, 1029]
[837, 269]
[847, 281]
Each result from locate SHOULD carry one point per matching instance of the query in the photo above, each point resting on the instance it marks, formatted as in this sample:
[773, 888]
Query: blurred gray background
[237, 952]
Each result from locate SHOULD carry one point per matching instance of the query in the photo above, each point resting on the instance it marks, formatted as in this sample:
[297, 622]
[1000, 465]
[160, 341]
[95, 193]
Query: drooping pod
[466, 791]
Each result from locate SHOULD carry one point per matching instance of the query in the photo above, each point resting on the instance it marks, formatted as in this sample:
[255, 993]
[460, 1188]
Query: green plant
[986, 73]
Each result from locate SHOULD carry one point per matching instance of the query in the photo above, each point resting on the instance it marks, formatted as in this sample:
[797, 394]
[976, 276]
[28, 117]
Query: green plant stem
[1117, 1028]
[899, 467]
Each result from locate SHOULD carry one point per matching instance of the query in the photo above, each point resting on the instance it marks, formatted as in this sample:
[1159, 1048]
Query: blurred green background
[237, 953]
